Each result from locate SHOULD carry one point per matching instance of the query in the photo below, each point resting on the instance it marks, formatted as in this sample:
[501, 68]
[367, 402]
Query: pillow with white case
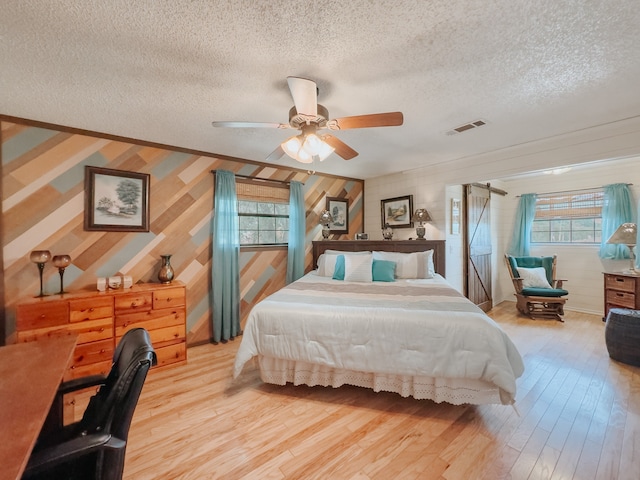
[534, 277]
[410, 265]
[358, 268]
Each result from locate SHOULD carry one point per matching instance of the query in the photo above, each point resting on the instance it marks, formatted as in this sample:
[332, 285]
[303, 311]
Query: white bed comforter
[407, 327]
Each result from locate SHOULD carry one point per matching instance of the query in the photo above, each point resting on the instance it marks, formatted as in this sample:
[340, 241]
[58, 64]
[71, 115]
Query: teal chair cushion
[544, 292]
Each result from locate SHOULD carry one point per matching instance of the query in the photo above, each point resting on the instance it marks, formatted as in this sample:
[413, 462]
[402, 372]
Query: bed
[412, 334]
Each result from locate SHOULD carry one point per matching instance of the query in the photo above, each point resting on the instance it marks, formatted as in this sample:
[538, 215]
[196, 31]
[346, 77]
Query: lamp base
[325, 232]
[420, 231]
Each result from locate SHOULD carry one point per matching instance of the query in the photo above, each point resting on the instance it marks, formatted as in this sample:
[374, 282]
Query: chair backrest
[548, 263]
[111, 409]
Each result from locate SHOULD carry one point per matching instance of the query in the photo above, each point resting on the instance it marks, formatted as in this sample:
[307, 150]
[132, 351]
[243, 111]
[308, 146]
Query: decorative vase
[165, 275]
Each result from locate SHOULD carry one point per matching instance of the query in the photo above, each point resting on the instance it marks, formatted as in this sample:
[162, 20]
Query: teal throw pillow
[338, 272]
[382, 270]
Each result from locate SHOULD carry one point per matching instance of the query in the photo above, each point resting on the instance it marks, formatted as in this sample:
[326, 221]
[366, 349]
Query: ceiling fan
[308, 116]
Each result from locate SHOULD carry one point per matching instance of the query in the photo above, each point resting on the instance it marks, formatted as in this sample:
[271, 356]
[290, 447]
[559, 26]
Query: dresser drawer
[623, 299]
[171, 354]
[94, 352]
[169, 297]
[90, 308]
[625, 284]
[101, 368]
[132, 302]
[151, 320]
[41, 314]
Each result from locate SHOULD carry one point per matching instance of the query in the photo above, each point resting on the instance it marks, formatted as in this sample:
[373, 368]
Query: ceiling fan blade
[305, 95]
[389, 119]
[250, 125]
[341, 148]
[275, 155]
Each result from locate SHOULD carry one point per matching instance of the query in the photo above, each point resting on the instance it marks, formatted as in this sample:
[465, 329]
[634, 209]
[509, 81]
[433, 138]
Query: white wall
[433, 188]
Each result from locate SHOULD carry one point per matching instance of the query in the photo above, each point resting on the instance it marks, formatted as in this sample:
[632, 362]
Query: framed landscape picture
[397, 212]
[339, 210]
[116, 200]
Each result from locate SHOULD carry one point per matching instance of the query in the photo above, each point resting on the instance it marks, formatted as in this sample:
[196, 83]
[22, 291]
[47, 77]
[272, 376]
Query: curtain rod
[576, 190]
[284, 182]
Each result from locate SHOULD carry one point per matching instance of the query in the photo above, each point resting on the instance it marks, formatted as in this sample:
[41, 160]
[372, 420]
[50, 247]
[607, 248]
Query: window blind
[567, 205]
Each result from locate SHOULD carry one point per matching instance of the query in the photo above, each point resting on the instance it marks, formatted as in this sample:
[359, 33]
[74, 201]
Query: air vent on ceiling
[467, 126]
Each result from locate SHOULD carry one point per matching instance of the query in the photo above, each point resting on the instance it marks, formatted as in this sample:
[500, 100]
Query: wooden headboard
[403, 246]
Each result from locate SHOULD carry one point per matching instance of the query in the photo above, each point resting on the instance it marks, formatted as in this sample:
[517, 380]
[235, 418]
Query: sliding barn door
[477, 200]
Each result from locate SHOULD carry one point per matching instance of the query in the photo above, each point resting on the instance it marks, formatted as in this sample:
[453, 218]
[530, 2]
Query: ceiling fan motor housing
[297, 120]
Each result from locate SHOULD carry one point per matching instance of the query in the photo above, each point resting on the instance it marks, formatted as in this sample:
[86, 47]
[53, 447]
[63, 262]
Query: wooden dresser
[621, 290]
[101, 318]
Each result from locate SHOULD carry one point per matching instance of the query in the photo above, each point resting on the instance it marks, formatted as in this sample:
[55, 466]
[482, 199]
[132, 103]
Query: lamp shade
[421, 215]
[625, 234]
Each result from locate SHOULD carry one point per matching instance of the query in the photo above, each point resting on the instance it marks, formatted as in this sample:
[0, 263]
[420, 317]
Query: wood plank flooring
[578, 417]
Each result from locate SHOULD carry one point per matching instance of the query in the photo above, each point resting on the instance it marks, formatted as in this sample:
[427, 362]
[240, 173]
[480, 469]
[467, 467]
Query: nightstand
[621, 290]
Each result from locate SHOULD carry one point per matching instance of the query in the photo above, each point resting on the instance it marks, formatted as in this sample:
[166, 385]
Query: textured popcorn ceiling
[163, 70]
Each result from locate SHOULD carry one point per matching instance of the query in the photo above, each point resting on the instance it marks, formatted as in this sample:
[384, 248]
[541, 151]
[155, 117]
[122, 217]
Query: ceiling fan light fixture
[312, 144]
[304, 157]
[325, 151]
[291, 146]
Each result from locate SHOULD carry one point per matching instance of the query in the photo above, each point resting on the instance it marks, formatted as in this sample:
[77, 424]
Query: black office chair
[94, 447]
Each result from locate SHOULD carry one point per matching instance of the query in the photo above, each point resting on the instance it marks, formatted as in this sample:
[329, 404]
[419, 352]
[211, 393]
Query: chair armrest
[43, 460]
[81, 383]
[557, 283]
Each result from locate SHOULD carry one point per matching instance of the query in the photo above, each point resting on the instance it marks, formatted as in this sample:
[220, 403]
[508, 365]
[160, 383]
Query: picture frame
[339, 209]
[455, 216]
[397, 212]
[115, 200]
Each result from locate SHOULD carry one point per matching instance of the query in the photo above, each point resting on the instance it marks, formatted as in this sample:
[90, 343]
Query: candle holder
[40, 257]
[62, 262]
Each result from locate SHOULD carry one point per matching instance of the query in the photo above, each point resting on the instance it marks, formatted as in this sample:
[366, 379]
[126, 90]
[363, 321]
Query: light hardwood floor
[578, 417]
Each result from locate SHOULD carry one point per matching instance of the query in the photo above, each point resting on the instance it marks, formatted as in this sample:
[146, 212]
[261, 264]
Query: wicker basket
[622, 335]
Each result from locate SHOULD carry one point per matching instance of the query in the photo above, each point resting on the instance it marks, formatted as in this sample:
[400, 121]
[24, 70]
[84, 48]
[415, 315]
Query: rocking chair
[538, 292]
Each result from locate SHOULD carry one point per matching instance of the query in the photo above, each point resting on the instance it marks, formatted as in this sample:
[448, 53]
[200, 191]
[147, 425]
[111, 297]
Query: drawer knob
[91, 309]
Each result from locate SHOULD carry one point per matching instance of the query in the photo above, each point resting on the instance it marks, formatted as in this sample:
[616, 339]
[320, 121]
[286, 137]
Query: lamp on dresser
[325, 221]
[421, 215]
[626, 234]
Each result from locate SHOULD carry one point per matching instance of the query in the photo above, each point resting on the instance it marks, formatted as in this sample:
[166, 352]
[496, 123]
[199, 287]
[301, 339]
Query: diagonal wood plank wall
[43, 208]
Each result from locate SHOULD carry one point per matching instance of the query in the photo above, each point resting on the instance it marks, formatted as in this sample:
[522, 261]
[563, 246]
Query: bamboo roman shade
[264, 193]
[576, 204]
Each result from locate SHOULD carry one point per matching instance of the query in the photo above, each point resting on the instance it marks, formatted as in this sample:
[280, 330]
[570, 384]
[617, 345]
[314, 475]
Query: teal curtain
[616, 210]
[297, 230]
[225, 276]
[521, 239]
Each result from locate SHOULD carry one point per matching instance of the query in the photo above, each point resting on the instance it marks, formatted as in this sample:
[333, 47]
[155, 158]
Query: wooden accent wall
[43, 208]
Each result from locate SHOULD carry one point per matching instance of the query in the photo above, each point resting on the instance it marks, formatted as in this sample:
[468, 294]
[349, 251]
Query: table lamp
[325, 220]
[626, 234]
[421, 215]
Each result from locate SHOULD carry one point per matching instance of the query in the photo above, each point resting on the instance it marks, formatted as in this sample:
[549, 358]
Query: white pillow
[358, 268]
[327, 264]
[410, 265]
[533, 277]
[327, 261]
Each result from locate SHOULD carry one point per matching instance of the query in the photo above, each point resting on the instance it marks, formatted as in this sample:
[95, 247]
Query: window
[568, 217]
[263, 223]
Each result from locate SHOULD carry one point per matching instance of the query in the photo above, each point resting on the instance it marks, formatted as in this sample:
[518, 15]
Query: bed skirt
[454, 391]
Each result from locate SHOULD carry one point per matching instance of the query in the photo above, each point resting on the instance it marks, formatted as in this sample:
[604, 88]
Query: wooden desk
[30, 374]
